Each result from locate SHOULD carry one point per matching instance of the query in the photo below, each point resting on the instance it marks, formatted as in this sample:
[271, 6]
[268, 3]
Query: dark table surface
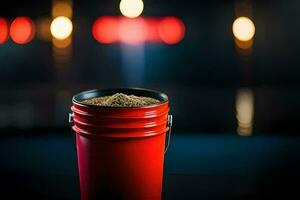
[197, 166]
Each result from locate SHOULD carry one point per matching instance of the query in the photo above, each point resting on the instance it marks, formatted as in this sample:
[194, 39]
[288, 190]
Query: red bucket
[120, 150]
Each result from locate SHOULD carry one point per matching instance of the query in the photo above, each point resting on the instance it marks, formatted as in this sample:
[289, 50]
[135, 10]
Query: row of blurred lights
[106, 29]
[22, 29]
[130, 29]
[109, 29]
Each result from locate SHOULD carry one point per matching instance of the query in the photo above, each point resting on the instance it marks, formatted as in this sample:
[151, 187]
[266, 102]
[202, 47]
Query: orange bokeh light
[3, 30]
[22, 30]
[105, 29]
[171, 30]
[62, 43]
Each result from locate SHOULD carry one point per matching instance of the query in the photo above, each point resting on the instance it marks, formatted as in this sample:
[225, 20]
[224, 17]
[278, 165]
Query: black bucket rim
[79, 97]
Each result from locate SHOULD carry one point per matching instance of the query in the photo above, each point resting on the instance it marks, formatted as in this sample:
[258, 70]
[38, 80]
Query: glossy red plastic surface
[120, 151]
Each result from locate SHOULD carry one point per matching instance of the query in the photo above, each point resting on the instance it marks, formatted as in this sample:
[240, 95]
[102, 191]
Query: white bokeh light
[61, 27]
[243, 29]
[131, 8]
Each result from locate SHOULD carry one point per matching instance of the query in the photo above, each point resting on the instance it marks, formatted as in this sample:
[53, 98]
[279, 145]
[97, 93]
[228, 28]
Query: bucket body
[120, 150]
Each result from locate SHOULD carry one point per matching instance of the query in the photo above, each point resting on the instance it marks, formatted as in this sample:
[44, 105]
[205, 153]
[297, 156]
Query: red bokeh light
[132, 31]
[105, 29]
[152, 30]
[171, 30]
[110, 29]
[3, 30]
[22, 30]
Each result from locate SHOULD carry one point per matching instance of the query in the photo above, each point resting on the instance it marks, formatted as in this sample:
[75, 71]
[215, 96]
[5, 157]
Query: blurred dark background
[202, 74]
[220, 89]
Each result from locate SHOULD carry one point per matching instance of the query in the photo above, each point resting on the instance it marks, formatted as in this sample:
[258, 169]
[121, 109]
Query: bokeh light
[43, 29]
[243, 29]
[132, 31]
[3, 30]
[171, 30]
[61, 27]
[131, 8]
[244, 45]
[105, 29]
[244, 111]
[22, 30]
[62, 8]
[62, 43]
[152, 29]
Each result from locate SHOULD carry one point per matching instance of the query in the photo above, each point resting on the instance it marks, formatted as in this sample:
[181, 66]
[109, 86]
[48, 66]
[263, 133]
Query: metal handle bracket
[71, 118]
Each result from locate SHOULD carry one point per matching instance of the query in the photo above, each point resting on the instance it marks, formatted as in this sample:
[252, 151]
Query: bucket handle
[170, 122]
